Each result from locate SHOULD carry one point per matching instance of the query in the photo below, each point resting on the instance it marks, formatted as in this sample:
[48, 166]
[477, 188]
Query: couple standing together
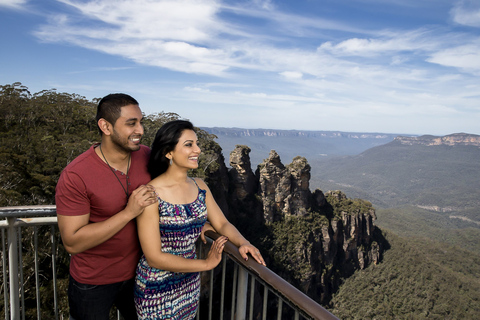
[130, 216]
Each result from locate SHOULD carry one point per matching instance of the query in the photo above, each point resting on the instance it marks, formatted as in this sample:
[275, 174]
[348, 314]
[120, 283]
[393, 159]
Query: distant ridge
[455, 139]
[240, 132]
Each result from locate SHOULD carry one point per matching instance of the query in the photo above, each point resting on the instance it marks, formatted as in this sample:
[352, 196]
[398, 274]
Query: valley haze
[313, 145]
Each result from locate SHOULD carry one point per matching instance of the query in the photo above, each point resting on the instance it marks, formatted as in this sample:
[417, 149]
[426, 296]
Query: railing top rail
[295, 296]
[283, 288]
[27, 211]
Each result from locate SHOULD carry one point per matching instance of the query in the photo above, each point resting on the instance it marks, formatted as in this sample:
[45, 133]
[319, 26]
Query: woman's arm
[149, 235]
[225, 228]
[206, 227]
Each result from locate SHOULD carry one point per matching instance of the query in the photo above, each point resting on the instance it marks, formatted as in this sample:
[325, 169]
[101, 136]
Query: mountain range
[420, 185]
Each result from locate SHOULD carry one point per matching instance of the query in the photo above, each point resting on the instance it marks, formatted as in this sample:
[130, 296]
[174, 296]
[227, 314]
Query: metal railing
[236, 289]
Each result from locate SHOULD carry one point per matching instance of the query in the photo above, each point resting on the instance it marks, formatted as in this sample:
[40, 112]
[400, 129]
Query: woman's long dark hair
[165, 141]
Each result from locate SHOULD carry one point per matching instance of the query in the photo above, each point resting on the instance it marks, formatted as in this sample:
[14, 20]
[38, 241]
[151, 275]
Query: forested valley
[40, 133]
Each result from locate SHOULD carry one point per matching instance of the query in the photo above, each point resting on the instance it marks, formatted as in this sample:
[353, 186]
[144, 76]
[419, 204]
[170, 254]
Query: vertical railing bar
[297, 316]
[288, 304]
[252, 296]
[265, 301]
[5, 279]
[242, 286]
[20, 259]
[277, 295]
[210, 296]
[37, 280]
[54, 271]
[234, 290]
[13, 265]
[279, 310]
[224, 271]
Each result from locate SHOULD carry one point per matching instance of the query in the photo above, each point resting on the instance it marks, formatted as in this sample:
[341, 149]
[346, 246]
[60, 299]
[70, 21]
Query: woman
[168, 279]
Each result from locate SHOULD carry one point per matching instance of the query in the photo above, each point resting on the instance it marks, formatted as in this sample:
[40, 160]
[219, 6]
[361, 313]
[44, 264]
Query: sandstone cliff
[311, 239]
[448, 140]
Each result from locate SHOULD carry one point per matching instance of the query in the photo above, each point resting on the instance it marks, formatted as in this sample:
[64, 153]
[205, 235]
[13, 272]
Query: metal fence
[236, 289]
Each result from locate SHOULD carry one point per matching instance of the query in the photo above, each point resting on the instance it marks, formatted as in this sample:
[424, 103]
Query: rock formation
[284, 190]
[311, 239]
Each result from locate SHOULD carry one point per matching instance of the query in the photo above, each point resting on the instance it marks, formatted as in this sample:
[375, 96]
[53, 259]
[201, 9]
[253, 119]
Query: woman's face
[186, 151]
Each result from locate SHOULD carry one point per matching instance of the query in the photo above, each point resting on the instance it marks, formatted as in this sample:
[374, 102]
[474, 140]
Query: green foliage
[39, 134]
[289, 244]
[417, 279]
[341, 204]
[153, 122]
[410, 221]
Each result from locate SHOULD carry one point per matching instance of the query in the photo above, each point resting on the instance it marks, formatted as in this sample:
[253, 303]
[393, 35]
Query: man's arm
[79, 235]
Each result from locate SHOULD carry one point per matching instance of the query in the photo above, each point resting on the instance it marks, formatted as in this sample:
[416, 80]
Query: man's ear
[105, 126]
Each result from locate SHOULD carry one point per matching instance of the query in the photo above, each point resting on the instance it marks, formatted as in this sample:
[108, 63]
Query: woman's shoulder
[157, 182]
[199, 182]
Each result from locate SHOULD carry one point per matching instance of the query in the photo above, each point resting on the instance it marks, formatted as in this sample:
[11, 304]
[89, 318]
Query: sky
[387, 66]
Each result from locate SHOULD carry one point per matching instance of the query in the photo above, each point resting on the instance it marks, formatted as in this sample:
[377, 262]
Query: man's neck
[112, 155]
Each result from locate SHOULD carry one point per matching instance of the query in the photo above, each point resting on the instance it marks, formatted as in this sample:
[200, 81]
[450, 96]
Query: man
[98, 197]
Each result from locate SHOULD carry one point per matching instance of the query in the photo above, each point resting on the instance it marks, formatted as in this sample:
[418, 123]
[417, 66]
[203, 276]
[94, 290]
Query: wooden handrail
[282, 287]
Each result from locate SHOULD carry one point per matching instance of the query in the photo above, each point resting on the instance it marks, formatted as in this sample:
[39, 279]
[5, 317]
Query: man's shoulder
[143, 152]
[80, 161]
[145, 149]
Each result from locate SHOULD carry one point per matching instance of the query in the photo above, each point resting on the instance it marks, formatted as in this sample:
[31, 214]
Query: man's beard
[123, 143]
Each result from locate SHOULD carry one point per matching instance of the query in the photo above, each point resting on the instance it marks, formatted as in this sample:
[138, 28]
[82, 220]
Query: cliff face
[284, 190]
[449, 140]
[313, 239]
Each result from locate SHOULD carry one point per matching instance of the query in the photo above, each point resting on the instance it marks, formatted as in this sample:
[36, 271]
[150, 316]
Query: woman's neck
[175, 175]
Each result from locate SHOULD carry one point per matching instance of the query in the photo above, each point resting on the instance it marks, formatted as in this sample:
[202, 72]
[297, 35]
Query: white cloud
[13, 4]
[385, 42]
[466, 58]
[466, 12]
[264, 4]
[181, 20]
[292, 74]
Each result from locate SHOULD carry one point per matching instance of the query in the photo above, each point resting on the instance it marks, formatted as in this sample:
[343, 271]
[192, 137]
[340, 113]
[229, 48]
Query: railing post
[54, 271]
[242, 286]
[13, 269]
[4, 274]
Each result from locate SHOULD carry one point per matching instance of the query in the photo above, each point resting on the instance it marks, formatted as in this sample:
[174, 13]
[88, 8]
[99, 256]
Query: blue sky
[396, 66]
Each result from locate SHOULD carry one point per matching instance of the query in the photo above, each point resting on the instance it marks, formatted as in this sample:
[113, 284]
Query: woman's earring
[171, 162]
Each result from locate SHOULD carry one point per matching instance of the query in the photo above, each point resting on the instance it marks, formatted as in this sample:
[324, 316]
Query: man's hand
[140, 198]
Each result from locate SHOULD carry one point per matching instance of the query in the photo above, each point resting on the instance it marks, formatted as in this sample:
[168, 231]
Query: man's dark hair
[165, 141]
[110, 107]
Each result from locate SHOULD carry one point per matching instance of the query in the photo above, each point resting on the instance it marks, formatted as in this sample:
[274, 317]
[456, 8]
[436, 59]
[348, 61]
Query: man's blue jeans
[93, 302]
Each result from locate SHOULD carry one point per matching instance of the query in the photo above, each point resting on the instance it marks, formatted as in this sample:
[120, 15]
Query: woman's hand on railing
[249, 248]
[215, 254]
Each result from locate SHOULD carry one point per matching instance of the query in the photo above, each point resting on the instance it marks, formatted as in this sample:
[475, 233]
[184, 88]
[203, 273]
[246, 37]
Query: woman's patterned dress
[161, 294]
